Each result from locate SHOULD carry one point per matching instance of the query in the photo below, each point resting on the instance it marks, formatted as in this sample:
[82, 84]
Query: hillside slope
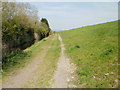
[94, 49]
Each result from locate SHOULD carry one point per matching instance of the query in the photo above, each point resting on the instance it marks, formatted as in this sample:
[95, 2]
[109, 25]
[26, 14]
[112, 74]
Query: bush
[20, 22]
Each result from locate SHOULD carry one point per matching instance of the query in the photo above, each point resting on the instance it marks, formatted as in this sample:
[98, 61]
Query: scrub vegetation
[21, 28]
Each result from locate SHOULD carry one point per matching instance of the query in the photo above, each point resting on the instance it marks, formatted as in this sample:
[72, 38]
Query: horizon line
[85, 26]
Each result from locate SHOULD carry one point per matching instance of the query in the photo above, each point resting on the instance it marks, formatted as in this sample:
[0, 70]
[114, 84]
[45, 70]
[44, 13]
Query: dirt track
[63, 73]
[20, 78]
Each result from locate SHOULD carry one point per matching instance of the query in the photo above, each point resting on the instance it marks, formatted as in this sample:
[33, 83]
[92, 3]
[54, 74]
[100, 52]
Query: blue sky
[68, 15]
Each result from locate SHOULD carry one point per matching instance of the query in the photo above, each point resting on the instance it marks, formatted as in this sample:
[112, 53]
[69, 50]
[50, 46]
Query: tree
[20, 22]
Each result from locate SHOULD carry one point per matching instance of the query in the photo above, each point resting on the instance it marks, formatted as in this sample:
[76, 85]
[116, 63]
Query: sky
[69, 15]
[64, 0]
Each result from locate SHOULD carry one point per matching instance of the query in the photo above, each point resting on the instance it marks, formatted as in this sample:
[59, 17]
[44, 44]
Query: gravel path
[62, 75]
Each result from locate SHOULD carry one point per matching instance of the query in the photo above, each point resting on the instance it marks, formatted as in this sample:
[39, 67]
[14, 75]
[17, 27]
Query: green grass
[17, 61]
[94, 49]
[47, 67]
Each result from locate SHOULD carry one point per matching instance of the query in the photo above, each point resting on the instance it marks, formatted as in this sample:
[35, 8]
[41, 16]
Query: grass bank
[94, 49]
[17, 61]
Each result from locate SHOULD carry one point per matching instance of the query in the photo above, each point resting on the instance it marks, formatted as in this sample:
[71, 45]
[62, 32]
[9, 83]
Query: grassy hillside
[94, 49]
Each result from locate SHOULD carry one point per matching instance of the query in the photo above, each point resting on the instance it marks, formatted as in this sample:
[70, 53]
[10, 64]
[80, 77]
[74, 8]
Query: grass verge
[17, 61]
[47, 67]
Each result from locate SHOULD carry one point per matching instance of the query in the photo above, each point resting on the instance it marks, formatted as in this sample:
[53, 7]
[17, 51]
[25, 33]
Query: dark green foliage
[107, 52]
[44, 20]
[21, 27]
[13, 58]
[77, 46]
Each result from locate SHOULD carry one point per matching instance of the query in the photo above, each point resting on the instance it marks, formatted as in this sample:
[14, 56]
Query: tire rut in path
[63, 73]
[18, 80]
